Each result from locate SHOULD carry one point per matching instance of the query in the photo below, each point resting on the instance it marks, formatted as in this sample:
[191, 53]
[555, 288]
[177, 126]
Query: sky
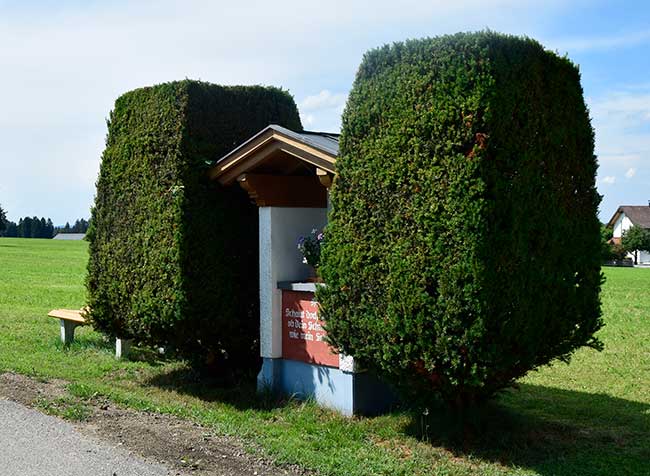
[64, 63]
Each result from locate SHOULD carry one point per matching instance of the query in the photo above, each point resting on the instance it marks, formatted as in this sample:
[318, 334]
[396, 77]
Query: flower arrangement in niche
[310, 246]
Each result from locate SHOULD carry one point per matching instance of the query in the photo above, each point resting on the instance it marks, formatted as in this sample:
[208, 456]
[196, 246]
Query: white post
[270, 326]
[67, 331]
[122, 348]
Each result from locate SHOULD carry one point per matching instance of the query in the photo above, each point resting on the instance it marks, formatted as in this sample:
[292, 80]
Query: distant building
[625, 218]
[70, 236]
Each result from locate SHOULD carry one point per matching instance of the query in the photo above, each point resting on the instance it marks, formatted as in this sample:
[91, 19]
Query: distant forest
[35, 227]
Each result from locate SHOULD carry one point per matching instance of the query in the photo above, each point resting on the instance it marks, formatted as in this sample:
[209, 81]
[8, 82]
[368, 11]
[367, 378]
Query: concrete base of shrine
[351, 393]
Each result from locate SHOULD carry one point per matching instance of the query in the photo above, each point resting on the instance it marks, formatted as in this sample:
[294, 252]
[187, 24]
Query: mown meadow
[591, 417]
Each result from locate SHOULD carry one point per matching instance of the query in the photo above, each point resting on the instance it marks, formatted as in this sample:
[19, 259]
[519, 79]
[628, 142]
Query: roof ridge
[320, 133]
[637, 214]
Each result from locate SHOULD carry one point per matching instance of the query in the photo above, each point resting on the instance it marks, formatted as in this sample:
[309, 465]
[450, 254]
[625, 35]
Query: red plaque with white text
[303, 336]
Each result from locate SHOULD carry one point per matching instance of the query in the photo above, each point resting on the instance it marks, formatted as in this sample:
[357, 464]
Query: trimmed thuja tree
[173, 257]
[463, 248]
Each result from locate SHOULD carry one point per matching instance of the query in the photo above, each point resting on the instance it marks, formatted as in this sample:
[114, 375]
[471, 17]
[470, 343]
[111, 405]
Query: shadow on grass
[241, 395]
[153, 357]
[95, 341]
[92, 341]
[553, 431]
[547, 430]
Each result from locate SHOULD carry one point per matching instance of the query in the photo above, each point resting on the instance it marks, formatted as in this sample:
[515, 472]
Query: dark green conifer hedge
[174, 257]
[463, 249]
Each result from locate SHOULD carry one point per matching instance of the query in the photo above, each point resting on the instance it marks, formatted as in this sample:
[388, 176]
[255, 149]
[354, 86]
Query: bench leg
[67, 331]
[122, 348]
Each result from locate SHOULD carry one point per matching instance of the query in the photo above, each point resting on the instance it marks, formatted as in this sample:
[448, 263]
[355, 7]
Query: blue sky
[64, 63]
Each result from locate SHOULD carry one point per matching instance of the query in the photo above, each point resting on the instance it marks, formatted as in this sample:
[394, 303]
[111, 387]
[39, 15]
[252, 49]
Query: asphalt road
[33, 444]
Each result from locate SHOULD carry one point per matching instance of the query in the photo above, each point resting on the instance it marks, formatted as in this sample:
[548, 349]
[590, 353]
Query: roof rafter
[317, 149]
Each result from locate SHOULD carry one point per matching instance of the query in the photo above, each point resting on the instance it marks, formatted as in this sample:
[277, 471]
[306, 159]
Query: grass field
[591, 417]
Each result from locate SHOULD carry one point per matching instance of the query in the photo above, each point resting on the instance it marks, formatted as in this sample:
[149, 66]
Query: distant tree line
[34, 227]
[3, 220]
[29, 227]
[80, 226]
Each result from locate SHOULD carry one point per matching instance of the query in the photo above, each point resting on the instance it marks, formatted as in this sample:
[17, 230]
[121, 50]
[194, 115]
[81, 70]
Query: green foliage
[617, 252]
[30, 227]
[80, 226]
[64, 407]
[173, 256]
[11, 230]
[3, 220]
[607, 251]
[310, 246]
[606, 233]
[636, 239]
[568, 417]
[463, 249]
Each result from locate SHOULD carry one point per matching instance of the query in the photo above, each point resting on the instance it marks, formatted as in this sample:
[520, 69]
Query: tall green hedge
[174, 257]
[463, 247]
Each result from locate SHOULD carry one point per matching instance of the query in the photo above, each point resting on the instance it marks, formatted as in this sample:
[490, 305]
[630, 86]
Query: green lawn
[588, 418]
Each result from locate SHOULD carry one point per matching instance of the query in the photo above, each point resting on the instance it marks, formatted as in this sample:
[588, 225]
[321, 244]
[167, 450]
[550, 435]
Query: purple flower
[309, 246]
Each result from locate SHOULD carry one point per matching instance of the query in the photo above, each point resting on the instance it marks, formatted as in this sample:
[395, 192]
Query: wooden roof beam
[284, 190]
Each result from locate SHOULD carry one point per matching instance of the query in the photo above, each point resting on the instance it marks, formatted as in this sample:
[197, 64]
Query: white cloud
[600, 43]
[620, 159]
[322, 100]
[308, 120]
[323, 110]
[65, 63]
[622, 131]
[620, 119]
[630, 105]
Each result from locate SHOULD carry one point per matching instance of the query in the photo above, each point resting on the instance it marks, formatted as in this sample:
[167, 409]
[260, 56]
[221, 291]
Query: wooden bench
[69, 319]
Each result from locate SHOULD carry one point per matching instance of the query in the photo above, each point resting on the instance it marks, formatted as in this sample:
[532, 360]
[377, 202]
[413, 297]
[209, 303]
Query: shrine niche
[287, 175]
